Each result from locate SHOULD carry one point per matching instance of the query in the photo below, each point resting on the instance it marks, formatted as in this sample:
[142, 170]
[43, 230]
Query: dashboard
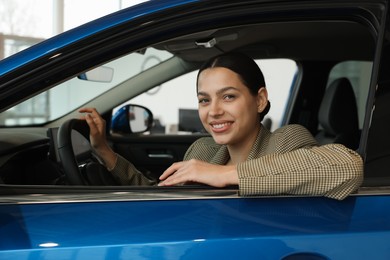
[28, 156]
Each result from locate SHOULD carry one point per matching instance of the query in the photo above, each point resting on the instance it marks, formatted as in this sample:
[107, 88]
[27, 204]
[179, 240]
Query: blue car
[138, 68]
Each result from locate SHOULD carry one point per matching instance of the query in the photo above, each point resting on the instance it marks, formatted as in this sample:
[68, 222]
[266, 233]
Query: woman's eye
[228, 97]
[203, 101]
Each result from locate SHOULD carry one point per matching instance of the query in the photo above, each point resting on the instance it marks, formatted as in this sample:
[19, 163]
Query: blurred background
[26, 22]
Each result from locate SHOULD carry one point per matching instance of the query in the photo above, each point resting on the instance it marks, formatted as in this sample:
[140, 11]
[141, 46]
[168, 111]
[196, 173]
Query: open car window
[162, 78]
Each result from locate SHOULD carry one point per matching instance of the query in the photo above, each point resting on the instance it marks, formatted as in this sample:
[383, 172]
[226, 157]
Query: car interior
[332, 107]
[338, 115]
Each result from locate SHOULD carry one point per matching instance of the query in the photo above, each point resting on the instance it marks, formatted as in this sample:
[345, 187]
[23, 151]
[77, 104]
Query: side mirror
[132, 119]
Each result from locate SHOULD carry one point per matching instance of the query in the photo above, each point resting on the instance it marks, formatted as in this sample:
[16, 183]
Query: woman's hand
[97, 127]
[97, 135]
[199, 172]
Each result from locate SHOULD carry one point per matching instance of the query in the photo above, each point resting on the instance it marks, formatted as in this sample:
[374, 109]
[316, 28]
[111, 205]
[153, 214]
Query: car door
[192, 222]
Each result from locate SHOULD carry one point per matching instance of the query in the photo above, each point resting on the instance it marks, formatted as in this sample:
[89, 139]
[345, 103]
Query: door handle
[160, 156]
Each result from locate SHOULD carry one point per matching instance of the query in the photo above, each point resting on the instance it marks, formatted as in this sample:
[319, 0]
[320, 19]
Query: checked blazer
[287, 161]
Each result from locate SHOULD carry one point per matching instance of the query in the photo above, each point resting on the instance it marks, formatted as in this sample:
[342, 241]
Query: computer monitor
[189, 121]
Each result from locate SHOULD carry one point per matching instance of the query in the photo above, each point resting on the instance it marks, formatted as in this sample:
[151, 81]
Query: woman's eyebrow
[201, 93]
[220, 91]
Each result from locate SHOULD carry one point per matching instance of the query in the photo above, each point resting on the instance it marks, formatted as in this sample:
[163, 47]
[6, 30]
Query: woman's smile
[219, 127]
[227, 108]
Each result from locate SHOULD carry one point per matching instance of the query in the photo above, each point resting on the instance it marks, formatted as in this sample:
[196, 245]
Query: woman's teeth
[219, 126]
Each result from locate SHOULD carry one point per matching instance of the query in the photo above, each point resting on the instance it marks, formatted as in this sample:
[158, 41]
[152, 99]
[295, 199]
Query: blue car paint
[83, 31]
[251, 228]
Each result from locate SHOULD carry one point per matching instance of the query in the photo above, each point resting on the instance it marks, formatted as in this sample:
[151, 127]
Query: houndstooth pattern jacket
[287, 161]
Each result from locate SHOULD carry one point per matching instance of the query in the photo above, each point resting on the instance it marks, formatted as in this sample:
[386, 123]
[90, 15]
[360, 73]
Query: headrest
[338, 110]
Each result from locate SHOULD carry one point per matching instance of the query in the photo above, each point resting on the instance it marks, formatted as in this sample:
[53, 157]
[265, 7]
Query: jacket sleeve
[127, 174]
[330, 170]
[203, 149]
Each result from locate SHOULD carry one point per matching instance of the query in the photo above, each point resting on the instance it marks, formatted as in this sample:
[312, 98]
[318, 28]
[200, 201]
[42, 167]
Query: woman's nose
[215, 109]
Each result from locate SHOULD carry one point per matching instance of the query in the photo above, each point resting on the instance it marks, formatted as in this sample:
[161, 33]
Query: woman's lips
[219, 127]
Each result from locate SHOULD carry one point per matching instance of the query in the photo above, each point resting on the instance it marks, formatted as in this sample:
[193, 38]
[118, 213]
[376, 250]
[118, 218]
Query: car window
[359, 75]
[75, 92]
[174, 104]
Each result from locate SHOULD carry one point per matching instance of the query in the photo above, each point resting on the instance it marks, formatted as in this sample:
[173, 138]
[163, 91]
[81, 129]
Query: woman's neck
[240, 152]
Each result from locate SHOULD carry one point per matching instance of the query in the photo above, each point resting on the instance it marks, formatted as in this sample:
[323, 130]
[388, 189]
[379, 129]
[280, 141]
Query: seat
[338, 116]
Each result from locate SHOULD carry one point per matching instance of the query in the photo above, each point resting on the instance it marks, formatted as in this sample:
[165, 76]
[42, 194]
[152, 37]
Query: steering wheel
[93, 173]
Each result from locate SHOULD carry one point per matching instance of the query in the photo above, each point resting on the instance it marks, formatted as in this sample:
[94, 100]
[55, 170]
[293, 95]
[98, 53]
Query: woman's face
[227, 109]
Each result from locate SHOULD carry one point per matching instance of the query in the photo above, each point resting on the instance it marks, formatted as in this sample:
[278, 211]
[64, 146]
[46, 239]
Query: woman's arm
[117, 165]
[97, 136]
[330, 170]
[293, 165]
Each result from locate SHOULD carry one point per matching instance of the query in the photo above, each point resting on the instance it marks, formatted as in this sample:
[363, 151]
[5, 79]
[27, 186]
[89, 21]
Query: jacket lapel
[260, 145]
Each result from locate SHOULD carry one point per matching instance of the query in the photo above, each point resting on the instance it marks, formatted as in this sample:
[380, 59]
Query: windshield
[71, 94]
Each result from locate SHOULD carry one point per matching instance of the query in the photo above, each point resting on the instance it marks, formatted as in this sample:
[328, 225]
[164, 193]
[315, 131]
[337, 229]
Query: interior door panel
[152, 154]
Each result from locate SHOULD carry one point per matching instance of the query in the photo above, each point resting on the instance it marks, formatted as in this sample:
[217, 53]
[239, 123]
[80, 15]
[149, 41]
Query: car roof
[289, 38]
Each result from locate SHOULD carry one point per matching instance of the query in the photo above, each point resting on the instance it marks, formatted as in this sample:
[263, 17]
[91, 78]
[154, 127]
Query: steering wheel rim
[65, 149]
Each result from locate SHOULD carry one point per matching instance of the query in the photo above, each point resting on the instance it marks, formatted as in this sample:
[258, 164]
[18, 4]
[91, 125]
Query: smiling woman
[233, 101]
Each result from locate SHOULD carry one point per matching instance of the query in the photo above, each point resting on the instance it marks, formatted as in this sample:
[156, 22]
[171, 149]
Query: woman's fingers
[97, 127]
[92, 125]
[88, 110]
[171, 170]
[92, 116]
[180, 172]
[199, 172]
[93, 113]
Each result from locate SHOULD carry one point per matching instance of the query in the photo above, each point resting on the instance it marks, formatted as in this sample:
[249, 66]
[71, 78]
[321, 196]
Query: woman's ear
[262, 99]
